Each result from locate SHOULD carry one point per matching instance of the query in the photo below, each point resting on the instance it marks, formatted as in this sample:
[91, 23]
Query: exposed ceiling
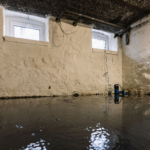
[117, 12]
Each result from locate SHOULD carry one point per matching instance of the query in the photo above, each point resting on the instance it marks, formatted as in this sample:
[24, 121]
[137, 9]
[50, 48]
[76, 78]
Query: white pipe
[140, 21]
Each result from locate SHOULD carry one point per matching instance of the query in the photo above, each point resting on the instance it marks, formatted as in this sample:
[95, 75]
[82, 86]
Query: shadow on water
[75, 123]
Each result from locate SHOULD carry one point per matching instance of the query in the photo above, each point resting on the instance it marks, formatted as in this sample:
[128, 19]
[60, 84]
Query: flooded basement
[75, 123]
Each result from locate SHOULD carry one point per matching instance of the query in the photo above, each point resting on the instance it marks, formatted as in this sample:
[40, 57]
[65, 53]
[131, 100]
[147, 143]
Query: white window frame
[101, 36]
[22, 22]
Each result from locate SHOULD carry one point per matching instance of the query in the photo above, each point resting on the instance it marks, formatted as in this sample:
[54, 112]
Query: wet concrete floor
[69, 123]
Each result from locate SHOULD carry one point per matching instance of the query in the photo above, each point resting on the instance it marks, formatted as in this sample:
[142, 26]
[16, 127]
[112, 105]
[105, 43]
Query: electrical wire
[120, 86]
[54, 40]
[64, 33]
[107, 74]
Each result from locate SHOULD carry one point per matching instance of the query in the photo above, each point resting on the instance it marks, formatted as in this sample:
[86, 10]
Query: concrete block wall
[63, 66]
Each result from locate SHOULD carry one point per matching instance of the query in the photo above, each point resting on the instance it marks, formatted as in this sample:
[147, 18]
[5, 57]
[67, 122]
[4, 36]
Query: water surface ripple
[75, 123]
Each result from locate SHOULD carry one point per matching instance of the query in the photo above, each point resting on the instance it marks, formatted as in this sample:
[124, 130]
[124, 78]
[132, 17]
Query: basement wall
[136, 59]
[64, 66]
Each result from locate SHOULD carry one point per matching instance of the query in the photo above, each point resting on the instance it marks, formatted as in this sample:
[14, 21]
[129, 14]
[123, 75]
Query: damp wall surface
[136, 59]
[64, 66]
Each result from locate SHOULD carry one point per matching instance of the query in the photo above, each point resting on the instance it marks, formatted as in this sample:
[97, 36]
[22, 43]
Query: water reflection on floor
[68, 123]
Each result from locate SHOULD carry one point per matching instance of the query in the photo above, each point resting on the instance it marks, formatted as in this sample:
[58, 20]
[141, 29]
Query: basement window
[25, 26]
[100, 41]
[104, 41]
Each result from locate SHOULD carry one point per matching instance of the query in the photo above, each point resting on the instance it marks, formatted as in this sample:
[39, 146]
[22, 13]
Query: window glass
[26, 33]
[99, 43]
[102, 40]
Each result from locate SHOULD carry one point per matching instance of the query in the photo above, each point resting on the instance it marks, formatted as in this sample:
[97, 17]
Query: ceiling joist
[96, 20]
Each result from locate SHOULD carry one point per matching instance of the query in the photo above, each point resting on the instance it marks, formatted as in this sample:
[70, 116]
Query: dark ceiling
[118, 12]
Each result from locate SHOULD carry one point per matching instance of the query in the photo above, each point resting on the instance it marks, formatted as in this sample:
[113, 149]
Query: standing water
[69, 123]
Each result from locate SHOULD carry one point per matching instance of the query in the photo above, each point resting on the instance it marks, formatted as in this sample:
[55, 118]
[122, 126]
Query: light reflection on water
[94, 123]
[99, 139]
[36, 146]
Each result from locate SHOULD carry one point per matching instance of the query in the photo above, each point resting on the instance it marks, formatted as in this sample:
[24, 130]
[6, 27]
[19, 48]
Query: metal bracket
[127, 38]
[75, 23]
[60, 16]
[122, 32]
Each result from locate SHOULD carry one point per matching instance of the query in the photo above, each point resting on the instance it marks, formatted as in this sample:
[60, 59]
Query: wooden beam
[96, 20]
[132, 6]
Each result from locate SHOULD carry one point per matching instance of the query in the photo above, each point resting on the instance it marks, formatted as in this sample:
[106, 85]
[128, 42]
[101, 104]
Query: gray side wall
[136, 59]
